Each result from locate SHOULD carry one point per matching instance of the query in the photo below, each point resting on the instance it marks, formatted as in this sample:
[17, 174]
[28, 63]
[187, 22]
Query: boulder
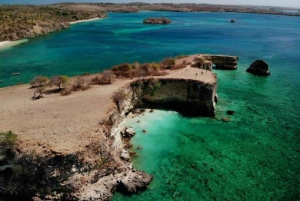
[129, 132]
[259, 67]
[135, 181]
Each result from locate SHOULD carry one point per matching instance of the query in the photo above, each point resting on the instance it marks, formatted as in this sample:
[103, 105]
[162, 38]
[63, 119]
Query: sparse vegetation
[119, 97]
[59, 81]
[107, 76]
[18, 22]
[7, 141]
[39, 81]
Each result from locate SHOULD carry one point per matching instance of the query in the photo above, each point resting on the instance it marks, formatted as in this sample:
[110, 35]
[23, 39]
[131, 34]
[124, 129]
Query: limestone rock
[125, 155]
[259, 67]
[135, 181]
[130, 132]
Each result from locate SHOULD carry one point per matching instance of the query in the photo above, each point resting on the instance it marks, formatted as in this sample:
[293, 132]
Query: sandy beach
[80, 21]
[5, 44]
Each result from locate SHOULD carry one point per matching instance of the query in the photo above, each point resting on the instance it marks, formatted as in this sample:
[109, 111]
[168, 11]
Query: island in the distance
[161, 20]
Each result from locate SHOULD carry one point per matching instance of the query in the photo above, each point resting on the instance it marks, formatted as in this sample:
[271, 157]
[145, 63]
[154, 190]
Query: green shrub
[7, 140]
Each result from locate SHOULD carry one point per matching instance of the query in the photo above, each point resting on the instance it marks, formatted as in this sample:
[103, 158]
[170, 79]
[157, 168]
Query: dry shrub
[189, 63]
[99, 79]
[122, 67]
[129, 74]
[168, 63]
[66, 91]
[80, 83]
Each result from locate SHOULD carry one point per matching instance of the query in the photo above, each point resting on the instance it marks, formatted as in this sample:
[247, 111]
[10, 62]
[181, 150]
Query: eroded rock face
[189, 97]
[222, 61]
[259, 67]
[157, 21]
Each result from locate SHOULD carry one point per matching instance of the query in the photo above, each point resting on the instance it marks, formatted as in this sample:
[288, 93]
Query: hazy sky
[282, 3]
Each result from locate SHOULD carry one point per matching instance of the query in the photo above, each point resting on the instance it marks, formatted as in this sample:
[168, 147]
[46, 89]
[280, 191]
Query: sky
[280, 3]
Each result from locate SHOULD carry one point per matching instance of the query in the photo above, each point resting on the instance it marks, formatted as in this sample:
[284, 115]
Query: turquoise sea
[255, 156]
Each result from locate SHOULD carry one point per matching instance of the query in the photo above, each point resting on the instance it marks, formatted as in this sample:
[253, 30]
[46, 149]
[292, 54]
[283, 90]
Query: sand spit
[80, 21]
[6, 44]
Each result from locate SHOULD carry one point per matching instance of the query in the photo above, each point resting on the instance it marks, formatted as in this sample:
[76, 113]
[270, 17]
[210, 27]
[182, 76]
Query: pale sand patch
[6, 44]
[37, 29]
[80, 21]
[66, 123]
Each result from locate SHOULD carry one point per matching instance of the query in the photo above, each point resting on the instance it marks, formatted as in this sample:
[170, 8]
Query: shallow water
[253, 157]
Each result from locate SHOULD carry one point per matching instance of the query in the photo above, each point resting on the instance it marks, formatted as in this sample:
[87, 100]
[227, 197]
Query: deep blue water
[253, 157]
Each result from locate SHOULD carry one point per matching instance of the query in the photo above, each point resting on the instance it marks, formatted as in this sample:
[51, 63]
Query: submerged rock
[226, 119]
[230, 112]
[259, 67]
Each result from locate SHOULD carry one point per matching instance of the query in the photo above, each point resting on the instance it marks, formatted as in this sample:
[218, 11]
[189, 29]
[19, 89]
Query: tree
[59, 81]
[39, 81]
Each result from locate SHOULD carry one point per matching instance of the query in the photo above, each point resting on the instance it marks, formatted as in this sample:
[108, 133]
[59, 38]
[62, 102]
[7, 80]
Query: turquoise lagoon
[253, 157]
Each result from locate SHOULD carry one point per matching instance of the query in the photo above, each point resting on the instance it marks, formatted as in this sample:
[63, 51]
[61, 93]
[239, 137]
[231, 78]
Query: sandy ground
[66, 123]
[80, 21]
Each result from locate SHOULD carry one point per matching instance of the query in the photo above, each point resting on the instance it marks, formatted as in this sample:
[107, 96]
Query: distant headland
[32, 21]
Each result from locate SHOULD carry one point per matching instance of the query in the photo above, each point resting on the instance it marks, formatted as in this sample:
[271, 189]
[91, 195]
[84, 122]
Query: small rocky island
[259, 67]
[157, 21]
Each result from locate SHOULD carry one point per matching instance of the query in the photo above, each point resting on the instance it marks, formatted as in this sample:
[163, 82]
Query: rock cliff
[190, 97]
[223, 61]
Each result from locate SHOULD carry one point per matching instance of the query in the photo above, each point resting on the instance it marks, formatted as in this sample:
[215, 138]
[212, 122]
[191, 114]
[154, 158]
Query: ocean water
[255, 156]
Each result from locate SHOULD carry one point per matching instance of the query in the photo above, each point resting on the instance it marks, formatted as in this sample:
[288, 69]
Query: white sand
[79, 21]
[4, 44]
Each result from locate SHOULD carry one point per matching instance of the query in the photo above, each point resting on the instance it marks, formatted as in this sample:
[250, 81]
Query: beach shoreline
[81, 21]
[7, 44]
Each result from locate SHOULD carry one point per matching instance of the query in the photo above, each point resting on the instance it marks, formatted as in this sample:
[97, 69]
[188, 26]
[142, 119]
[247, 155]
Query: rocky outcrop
[259, 67]
[222, 61]
[157, 21]
[104, 166]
